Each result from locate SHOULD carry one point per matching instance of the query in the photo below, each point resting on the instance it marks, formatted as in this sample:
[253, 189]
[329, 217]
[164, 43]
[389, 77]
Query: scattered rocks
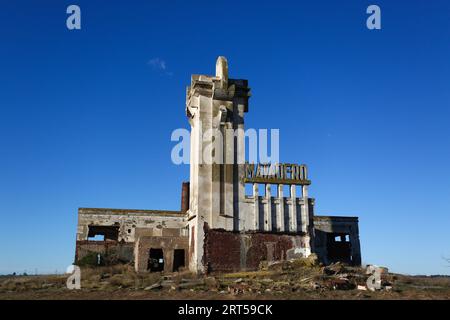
[363, 288]
[155, 286]
[167, 283]
[238, 289]
[277, 277]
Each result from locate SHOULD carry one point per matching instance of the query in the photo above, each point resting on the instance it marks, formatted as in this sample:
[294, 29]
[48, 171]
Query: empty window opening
[262, 190]
[178, 259]
[155, 260]
[298, 191]
[97, 237]
[274, 190]
[103, 233]
[249, 189]
[286, 191]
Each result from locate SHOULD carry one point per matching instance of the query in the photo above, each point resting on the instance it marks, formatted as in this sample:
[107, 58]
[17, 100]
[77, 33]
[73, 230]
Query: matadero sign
[278, 173]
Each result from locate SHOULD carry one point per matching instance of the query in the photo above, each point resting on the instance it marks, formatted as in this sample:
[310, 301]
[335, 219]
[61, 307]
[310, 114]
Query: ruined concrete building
[219, 226]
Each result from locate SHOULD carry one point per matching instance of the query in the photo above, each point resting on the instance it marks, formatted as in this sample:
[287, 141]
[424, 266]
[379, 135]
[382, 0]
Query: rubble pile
[284, 276]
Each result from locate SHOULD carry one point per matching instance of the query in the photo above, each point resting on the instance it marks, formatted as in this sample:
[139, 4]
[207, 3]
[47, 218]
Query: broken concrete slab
[155, 286]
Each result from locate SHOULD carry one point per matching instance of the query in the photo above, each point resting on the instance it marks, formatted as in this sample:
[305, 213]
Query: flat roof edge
[336, 217]
[126, 211]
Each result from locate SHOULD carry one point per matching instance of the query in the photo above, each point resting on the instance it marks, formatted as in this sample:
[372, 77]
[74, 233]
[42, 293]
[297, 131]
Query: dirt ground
[286, 280]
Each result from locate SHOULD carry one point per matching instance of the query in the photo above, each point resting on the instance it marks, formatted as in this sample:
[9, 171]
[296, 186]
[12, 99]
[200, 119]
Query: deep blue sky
[86, 118]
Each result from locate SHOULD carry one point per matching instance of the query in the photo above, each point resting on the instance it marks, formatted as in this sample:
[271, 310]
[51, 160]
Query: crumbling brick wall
[227, 251]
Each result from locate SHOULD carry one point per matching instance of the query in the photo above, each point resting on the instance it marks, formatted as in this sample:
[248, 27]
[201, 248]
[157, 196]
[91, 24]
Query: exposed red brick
[185, 197]
[221, 250]
[227, 251]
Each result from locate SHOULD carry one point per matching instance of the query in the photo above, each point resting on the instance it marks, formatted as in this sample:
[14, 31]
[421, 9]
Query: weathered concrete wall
[129, 221]
[227, 251]
[122, 229]
[122, 251]
[167, 244]
[329, 227]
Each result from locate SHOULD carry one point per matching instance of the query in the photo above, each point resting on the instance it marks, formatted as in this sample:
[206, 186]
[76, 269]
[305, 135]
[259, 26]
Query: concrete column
[280, 215]
[267, 212]
[305, 190]
[293, 211]
[168, 260]
[305, 211]
[228, 169]
[256, 199]
[239, 194]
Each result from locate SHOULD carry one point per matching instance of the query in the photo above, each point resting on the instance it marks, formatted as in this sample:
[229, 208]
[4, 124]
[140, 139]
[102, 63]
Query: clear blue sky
[86, 116]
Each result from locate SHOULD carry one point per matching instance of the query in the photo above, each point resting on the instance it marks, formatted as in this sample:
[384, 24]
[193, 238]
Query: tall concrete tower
[215, 106]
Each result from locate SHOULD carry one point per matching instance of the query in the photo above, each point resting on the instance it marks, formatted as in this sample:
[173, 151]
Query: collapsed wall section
[112, 233]
[228, 251]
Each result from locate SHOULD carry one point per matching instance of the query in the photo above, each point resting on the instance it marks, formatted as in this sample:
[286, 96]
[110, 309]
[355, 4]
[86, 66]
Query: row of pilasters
[281, 203]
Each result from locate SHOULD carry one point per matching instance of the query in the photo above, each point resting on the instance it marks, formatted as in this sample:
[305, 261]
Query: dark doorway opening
[155, 260]
[178, 259]
[339, 248]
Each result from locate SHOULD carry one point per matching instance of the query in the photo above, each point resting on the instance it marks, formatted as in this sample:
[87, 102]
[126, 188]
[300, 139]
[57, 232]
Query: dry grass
[250, 274]
[289, 280]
